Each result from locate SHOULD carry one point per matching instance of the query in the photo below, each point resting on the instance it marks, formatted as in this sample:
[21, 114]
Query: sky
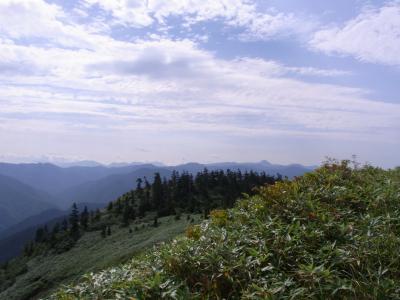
[289, 81]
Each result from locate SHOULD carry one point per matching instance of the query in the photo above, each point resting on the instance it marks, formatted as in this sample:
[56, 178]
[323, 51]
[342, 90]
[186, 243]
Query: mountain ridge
[19, 201]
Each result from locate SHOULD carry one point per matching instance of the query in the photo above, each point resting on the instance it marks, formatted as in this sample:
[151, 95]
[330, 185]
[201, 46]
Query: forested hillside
[155, 210]
[92, 186]
[182, 193]
[330, 234]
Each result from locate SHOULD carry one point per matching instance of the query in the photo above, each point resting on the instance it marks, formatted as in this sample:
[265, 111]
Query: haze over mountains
[19, 201]
[59, 187]
[74, 184]
[34, 194]
[54, 179]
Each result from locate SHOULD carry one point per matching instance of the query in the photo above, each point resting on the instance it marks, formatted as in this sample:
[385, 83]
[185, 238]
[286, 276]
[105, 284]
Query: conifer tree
[139, 189]
[147, 202]
[132, 198]
[168, 208]
[126, 215]
[142, 202]
[157, 193]
[84, 218]
[74, 221]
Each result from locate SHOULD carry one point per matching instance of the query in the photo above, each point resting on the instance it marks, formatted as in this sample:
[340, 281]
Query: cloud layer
[63, 74]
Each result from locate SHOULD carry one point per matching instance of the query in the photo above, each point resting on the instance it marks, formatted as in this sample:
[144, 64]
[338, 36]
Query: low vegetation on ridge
[331, 234]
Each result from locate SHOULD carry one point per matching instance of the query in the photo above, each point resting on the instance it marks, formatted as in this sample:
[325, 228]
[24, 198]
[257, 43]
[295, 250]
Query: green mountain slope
[62, 251]
[330, 234]
[92, 252]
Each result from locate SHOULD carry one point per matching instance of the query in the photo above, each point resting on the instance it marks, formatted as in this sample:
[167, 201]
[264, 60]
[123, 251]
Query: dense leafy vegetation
[330, 234]
[185, 192]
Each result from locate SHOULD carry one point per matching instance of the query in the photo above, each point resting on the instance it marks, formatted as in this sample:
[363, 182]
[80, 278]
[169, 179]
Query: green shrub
[331, 234]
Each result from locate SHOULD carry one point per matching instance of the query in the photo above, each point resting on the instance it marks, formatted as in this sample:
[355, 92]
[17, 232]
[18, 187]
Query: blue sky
[211, 80]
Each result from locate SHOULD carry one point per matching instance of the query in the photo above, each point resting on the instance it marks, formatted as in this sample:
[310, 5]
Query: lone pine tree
[74, 221]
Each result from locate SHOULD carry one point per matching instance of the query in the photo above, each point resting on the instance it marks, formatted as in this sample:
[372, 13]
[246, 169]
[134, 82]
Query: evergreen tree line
[63, 235]
[182, 192]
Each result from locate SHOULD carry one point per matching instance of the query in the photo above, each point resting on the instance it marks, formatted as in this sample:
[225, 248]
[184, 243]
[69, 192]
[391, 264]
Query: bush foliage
[331, 234]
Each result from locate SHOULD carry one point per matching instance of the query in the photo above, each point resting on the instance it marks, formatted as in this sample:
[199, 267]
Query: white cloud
[243, 14]
[37, 22]
[132, 12]
[138, 85]
[373, 36]
[265, 26]
[144, 13]
[33, 18]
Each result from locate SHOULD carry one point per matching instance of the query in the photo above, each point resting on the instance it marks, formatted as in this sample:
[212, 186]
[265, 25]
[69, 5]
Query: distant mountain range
[33, 194]
[53, 179]
[91, 163]
[83, 183]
